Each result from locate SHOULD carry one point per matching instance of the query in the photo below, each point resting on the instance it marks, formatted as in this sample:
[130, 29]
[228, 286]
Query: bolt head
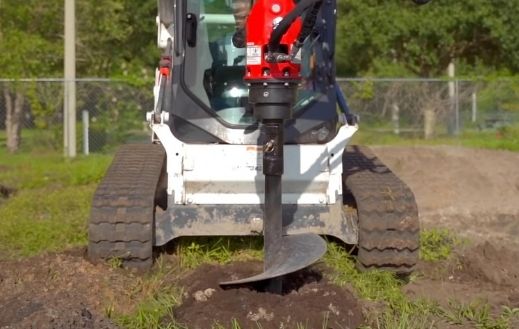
[276, 8]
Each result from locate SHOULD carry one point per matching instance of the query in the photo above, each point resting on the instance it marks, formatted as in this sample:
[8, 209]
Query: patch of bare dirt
[58, 291]
[308, 299]
[483, 272]
[474, 192]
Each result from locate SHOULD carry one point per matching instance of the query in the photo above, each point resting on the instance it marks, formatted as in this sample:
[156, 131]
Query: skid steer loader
[252, 140]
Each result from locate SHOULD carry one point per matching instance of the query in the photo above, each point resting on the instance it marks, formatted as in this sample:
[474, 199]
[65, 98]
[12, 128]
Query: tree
[387, 36]
[114, 38]
[30, 46]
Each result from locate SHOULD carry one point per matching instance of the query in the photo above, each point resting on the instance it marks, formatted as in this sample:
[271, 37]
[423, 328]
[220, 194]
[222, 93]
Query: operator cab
[209, 98]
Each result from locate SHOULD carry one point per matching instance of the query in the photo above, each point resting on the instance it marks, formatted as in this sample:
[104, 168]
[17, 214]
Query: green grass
[38, 140]
[479, 315]
[218, 250]
[44, 219]
[397, 310]
[400, 312]
[158, 296]
[437, 244]
[49, 169]
[506, 138]
[49, 211]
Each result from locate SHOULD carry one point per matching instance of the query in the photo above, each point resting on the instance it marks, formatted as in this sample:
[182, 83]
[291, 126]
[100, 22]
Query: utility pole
[69, 109]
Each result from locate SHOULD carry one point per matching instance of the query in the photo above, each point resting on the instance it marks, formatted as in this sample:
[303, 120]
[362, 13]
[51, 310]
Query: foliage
[114, 38]
[498, 95]
[31, 35]
[398, 37]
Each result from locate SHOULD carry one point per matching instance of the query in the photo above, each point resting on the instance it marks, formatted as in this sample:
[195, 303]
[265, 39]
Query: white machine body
[232, 174]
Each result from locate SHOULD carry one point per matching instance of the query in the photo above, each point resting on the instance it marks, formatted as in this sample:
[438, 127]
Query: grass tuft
[437, 244]
[478, 314]
[220, 250]
[380, 287]
[157, 295]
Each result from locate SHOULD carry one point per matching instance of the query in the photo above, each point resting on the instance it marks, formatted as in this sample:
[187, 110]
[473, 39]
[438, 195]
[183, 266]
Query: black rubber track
[122, 217]
[389, 229]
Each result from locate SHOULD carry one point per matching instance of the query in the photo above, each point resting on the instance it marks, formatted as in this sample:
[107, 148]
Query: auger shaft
[273, 222]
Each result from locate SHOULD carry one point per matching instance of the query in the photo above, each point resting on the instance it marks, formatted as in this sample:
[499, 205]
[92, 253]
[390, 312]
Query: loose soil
[308, 299]
[474, 193]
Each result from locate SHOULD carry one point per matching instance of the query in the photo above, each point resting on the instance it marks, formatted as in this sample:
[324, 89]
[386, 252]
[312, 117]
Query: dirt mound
[56, 291]
[490, 263]
[475, 192]
[58, 312]
[457, 179]
[308, 300]
[485, 272]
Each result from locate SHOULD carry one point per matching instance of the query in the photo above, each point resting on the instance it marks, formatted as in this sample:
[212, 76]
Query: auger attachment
[273, 74]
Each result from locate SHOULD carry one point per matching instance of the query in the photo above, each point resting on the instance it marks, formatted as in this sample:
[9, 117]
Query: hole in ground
[6, 192]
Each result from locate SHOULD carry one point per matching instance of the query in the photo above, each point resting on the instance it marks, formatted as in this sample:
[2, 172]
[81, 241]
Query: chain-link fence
[110, 113]
[432, 107]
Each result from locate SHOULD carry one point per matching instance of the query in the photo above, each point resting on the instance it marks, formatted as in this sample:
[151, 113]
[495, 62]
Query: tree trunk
[13, 119]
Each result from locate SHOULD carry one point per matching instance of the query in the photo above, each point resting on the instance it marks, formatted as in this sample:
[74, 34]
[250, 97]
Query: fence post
[474, 106]
[457, 108]
[86, 137]
[395, 118]
[429, 122]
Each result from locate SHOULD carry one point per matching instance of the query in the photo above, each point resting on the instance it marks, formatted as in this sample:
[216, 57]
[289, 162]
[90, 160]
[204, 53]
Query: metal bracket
[174, 151]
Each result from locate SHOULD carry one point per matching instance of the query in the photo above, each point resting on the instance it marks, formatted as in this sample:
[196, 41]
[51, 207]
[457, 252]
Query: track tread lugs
[387, 213]
[121, 220]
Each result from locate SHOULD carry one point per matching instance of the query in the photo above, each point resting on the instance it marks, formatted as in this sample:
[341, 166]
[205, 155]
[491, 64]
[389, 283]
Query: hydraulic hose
[286, 22]
[309, 22]
[307, 28]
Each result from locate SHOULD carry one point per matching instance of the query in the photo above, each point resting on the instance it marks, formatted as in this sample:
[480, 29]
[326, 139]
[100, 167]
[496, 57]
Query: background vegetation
[116, 38]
